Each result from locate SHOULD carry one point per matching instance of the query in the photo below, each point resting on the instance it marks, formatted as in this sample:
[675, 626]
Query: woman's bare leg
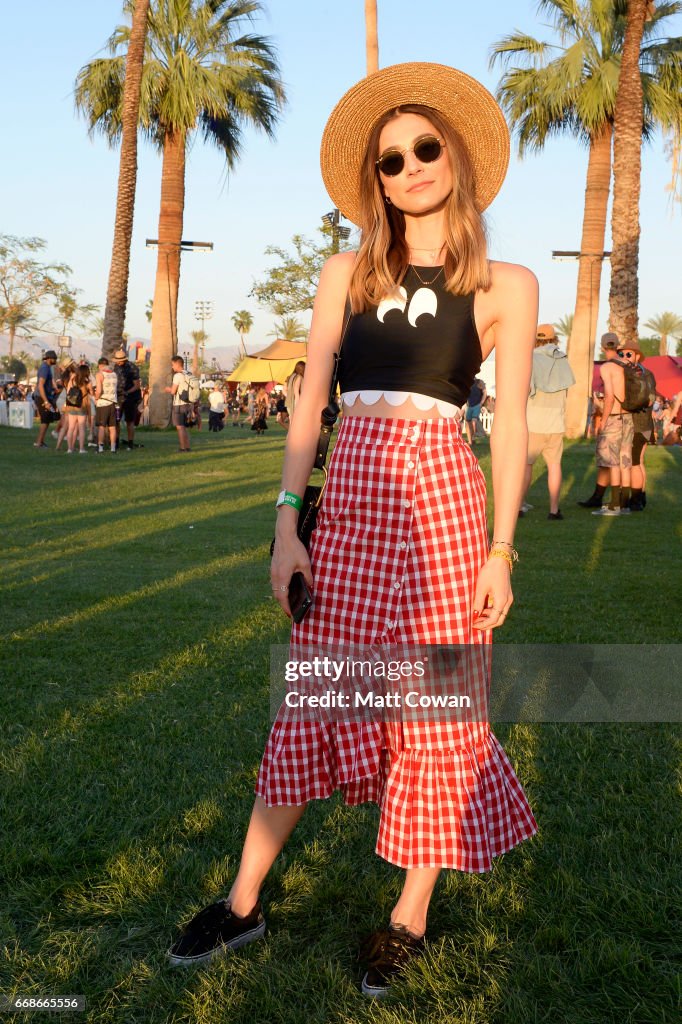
[413, 905]
[268, 831]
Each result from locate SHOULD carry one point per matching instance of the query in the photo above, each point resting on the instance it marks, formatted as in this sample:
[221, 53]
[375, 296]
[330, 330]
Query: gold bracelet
[512, 550]
[497, 553]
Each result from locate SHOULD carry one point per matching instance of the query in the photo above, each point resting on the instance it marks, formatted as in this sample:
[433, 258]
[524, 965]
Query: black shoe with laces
[555, 515]
[387, 952]
[213, 932]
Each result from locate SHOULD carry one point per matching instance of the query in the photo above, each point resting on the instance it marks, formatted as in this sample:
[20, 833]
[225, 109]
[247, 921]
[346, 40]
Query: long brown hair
[383, 256]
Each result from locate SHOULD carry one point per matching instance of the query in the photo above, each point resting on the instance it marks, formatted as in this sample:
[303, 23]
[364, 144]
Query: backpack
[191, 392]
[639, 388]
[74, 397]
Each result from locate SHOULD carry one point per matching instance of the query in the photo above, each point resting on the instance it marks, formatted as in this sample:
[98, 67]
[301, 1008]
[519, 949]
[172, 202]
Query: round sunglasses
[427, 150]
[626, 353]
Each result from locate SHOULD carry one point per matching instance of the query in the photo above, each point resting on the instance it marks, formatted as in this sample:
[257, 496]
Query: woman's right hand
[289, 556]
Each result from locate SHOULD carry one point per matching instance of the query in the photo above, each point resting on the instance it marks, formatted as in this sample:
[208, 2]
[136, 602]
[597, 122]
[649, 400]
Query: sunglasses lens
[427, 150]
[391, 164]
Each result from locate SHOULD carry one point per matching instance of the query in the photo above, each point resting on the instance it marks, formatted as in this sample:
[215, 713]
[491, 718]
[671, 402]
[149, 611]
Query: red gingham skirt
[400, 539]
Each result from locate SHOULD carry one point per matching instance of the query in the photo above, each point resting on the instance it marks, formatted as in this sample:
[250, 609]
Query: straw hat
[120, 354]
[460, 99]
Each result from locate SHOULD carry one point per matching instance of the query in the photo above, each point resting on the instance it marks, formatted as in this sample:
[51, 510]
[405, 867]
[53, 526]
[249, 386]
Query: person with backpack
[129, 396]
[614, 440]
[551, 377]
[183, 389]
[77, 408]
[640, 391]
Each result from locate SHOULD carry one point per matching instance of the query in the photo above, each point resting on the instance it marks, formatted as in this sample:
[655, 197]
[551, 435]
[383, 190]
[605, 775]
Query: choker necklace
[432, 253]
[421, 279]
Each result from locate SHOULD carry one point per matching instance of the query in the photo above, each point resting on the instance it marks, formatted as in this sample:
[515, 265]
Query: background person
[643, 427]
[216, 402]
[129, 396]
[182, 412]
[551, 377]
[477, 397]
[294, 386]
[77, 409]
[260, 412]
[45, 396]
[106, 393]
[614, 441]
[401, 551]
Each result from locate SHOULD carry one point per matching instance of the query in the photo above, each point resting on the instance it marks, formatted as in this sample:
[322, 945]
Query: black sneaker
[592, 502]
[387, 953]
[213, 931]
[555, 515]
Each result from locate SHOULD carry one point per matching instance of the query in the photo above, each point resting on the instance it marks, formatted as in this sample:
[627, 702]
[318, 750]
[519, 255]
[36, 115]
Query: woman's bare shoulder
[339, 267]
[505, 276]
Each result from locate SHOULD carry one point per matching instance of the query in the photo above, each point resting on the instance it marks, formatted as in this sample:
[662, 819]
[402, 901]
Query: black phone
[300, 598]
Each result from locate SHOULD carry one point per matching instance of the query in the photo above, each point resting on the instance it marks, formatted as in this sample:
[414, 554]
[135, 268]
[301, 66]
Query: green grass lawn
[136, 627]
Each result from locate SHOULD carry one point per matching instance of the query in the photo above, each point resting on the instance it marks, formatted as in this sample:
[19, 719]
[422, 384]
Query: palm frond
[201, 72]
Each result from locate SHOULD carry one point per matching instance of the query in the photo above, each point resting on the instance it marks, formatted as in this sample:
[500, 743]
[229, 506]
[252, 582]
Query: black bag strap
[330, 413]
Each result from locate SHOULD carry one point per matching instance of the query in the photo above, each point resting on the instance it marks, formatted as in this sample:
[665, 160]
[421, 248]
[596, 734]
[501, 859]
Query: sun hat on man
[634, 347]
[120, 355]
[462, 101]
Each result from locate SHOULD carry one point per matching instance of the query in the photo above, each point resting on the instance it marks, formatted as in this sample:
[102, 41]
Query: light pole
[332, 219]
[203, 310]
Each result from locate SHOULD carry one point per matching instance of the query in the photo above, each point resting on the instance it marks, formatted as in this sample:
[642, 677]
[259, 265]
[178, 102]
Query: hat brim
[462, 101]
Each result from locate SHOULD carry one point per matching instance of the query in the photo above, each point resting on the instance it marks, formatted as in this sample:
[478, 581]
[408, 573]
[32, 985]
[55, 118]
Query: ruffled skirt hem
[439, 808]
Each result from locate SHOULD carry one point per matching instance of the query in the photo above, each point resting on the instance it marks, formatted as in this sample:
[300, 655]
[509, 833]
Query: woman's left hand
[493, 595]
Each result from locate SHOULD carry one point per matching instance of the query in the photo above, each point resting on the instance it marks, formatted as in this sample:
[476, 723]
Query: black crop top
[423, 340]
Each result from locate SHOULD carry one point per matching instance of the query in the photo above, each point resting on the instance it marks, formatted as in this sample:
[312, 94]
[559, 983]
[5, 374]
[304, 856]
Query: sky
[57, 183]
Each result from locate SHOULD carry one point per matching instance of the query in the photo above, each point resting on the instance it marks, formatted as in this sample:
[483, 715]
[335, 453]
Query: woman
[261, 408]
[294, 387]
[401, 551]
[77, 409]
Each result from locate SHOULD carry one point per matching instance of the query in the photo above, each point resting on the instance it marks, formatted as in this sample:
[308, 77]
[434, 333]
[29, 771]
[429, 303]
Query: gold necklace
[429, 252]
[421, 279]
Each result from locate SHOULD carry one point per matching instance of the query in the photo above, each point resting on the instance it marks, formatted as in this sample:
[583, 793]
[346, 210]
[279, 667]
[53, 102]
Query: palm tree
[117, 289]
[564, 326]
[371, 36]
[570, 87]
[289, 328]
[148, 310]
[665, 325]
[202, 73]
[199, 339]
[243, 322]
[627, 176]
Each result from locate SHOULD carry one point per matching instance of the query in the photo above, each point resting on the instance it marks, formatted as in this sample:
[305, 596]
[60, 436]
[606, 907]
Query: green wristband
[288, 498]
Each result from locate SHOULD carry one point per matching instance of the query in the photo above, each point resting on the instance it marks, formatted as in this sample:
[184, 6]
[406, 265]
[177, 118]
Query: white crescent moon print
[423, 301]
[393, 302]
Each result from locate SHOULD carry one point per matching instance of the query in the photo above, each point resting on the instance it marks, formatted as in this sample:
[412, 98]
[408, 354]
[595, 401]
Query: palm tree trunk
[580, 347]
[371, 36]
[627, 168]
[117, 289]
[165, 305]
[663, 345]
[11, 330]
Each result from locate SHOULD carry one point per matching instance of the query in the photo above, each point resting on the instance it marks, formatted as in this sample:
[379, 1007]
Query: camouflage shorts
[614, 443]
